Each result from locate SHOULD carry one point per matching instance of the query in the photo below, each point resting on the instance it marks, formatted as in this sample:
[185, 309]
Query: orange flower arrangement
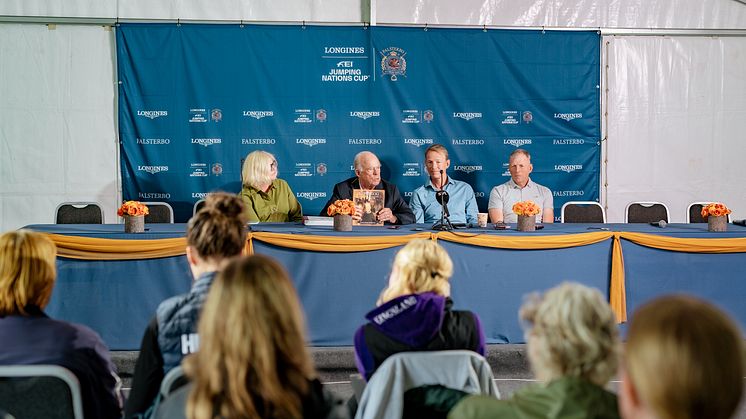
[716, 209]
[133, 208]
[526, 208]
[342, 207]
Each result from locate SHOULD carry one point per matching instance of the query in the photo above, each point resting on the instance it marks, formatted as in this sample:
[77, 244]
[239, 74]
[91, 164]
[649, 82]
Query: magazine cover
[368, 203]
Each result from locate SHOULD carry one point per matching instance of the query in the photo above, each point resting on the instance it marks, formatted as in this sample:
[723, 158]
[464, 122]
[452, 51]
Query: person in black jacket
[368, 177]
[30, 337]
[214, 235]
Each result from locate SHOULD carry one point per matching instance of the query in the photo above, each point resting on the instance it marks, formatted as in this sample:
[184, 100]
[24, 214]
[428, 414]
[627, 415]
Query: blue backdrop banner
[195, 99]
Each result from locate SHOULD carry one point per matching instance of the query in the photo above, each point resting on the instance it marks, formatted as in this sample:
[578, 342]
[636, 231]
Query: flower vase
[717, 223]
[134, 223]
[342, 222]
[526, 223]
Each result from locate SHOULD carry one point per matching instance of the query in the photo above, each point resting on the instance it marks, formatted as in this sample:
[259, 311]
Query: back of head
[218, 230]
[420, 266]
[252, 360]
[572, 334]
[685, 359]
[27, 271]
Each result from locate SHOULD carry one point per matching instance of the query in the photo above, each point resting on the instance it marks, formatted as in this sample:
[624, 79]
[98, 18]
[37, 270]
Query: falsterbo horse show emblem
[393, 62]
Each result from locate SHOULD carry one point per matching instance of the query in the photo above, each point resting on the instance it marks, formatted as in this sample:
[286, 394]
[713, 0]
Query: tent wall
[57, 121]
[677, 121]
[675, 104]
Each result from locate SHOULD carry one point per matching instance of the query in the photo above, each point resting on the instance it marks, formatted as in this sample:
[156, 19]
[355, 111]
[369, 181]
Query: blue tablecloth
[117, 298]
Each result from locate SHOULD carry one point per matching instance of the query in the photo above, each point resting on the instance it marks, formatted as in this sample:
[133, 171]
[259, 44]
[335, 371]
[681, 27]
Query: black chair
[198, 206]
[646, 212]
[40, 391]
[79, 213]
[582, 212]
[694, 212]
[159, 212]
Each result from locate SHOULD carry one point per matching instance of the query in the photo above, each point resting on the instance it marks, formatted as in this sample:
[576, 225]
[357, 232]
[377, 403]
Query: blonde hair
[27, 271]
[256, 170]
[252, 360]
[685, 359]
[572, 334]
[420, 266]
[437, 148]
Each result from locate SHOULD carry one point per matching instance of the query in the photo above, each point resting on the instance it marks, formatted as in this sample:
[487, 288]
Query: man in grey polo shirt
[519, 188]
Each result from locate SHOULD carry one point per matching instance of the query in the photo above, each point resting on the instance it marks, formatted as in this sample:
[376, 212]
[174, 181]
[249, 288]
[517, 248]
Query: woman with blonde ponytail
[415, 311]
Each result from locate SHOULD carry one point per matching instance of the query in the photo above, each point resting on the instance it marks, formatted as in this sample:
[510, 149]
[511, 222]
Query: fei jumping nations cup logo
[393, 62]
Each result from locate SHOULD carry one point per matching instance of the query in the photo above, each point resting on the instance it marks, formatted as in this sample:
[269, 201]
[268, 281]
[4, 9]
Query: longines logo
[568, 116]
[152, 114]
[200, 195]
[310, 141]
[207, 141]
[365, 115]
[568, 193]
[568, 141]
[517, 142]
[254, 141]
[467, 141]
[344, 50]
[419, 142]
[408, 194]
[364, 141]
[153, 169]
[311, 195]
[468, 169]
[153, 195]
[154, 141]
[467, 115]
[568, 167]
[258, 114]
[479, 194]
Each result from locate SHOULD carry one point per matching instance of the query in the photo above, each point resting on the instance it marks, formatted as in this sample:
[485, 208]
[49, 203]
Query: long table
[112, 281]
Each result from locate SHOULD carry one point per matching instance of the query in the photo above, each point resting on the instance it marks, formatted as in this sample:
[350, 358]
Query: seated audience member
[253, 361]
[461, 204]
[684, 359]
[414, 311]
[267, 198]
[214, 235]
[368, 177]
[29, 337]
[520, 188]
[572, 346]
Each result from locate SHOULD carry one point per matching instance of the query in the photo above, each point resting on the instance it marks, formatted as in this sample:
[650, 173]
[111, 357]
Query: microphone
[661, 224]
[741, 223]
[442, 196]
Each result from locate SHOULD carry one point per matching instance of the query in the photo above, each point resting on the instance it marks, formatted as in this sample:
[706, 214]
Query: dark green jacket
[564, 398]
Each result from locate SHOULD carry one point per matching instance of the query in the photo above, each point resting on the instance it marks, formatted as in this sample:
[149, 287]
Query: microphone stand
[442, 196]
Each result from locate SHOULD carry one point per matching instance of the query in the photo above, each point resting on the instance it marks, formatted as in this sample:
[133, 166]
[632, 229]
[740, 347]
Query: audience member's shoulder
[81, 335]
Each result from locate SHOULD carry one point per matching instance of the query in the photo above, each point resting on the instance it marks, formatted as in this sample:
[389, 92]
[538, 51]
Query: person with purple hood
[414, 311]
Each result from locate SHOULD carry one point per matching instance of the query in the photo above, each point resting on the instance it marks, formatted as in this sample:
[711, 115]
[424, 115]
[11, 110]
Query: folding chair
[383, 396]
[198, 206]
[40, 391]
[79, 213]
[582, 212]
[646, 212]
[159, 212]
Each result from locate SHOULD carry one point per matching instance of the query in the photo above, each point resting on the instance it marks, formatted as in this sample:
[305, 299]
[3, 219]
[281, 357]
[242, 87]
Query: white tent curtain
[57, 120]
[676, 123]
